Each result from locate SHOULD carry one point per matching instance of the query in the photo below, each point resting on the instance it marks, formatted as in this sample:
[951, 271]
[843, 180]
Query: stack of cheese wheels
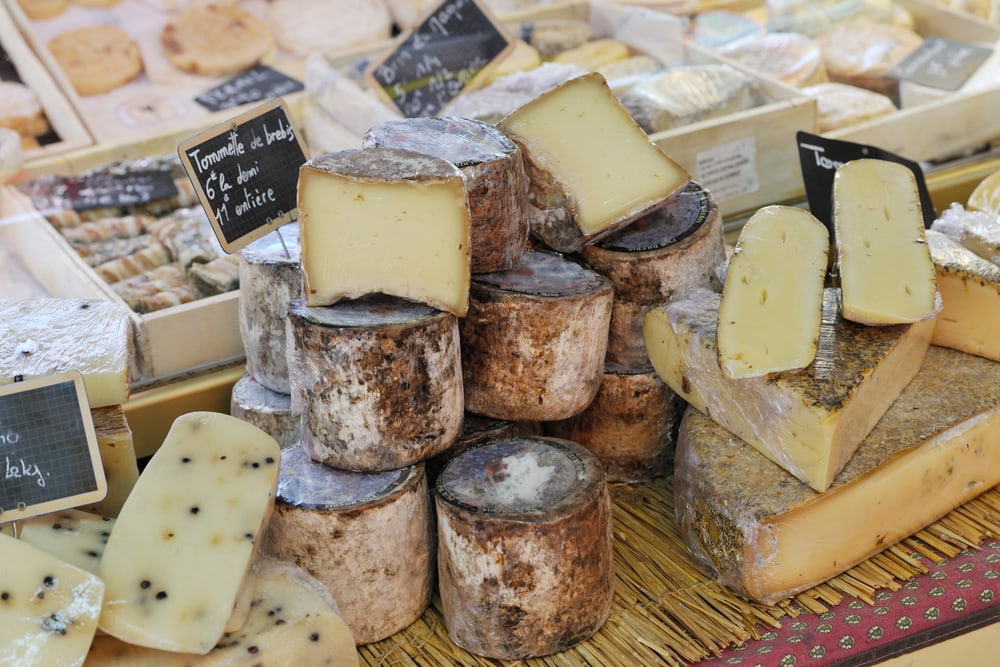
[270, 277]
[368, 536]
[509, 514]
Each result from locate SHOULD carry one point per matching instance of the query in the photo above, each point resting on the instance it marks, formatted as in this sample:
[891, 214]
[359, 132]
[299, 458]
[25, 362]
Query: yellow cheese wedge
[809, 422]
[884, 266]
[773, 295]
[986, 195]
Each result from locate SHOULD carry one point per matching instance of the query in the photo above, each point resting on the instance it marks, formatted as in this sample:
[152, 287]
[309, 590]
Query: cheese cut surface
[809, 422]
[121, 468]
[43, 336]
[72, 535]
[184, 540]
[293, 622]
[384, 220]
[591, 168]
[970, 298]
[48, 608]
[885, 268]
[772, 298]
[767, 535]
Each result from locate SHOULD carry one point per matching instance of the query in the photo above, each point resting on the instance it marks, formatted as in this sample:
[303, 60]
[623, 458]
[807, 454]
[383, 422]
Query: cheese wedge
[71, 535]
[121, 468]
[768, 536]
[809, 422]
[885, 268]
[184, 540]
[772, 298]
[970, 296]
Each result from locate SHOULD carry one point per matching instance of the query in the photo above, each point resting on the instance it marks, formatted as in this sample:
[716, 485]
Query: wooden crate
[170, 343]
[61, 115]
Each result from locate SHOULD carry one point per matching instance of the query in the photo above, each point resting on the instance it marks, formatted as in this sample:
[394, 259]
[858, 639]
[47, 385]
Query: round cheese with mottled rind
[631, 425]
[270, 277]
[368, 536]
[377, 381]
[525, 558]
[476, 430]
[677, 247]
[495, 181]
[534, 340]
[270, 411]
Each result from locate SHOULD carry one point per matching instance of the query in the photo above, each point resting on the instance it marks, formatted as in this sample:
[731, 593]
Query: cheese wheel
[789, 56]
[270, 277]
[377, 381]
[677, 247]
[862, 53]
[496, 185]
[270, 411]
[534, 340]
[841, 105]
[367, 536]
[491, 103]
[525, 559]
[630, 426]
[476, 430]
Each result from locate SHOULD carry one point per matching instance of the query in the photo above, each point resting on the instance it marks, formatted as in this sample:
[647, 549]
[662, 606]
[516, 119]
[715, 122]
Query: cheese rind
[809, 422]
[268, 410]
[384, 220]
[591, 168]
[768, 536]
[884, 266]
[117, 448]
[772, 299]
[184, 540]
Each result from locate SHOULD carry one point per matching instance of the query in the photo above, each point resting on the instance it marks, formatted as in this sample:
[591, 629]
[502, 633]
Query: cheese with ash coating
[496, 185]
[270, 277]
[809, 422]
[768, 536]
[376, 381]
[368, 537]
[534, 340]
[509, 512]
[384, 220]
[591, 169]
[268, 410]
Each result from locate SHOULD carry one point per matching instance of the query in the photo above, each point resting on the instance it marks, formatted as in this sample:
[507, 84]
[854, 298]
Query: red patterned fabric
[960, 594]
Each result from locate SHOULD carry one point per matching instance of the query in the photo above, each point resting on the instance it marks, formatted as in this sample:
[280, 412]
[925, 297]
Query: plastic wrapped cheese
[841, 105]
[979, 231]
[791, 57]
[862, 53]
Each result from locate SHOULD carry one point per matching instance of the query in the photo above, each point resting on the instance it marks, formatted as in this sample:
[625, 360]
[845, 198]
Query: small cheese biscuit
[20, 109]
[215, 40]
[42, 9]
[97, 59]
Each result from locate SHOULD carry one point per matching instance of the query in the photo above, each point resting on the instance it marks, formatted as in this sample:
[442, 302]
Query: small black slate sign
[941, 63]
[106, 190]
[431, 65]
[256, 84]
[246, 173]
[49, 458]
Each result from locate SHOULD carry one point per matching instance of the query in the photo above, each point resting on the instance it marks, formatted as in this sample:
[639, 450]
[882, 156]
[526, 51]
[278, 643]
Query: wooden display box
[169, 343]
[62, 117]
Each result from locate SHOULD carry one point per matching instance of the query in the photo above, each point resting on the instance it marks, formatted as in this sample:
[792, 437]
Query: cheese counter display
[509, 388]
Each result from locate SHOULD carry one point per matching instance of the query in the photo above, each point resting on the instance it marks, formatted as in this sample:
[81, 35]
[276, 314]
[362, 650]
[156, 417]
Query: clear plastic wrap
[811, 18]
[979, 231]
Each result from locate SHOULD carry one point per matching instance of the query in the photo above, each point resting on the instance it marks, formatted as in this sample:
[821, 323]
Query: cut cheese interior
[772, 299]
[71, 535]
[121, 468]
[885, 268]
[384, 220]
[809, 422]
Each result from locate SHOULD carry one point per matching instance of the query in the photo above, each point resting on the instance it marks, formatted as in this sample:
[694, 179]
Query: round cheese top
[542, 273]
[370, 311]
[279, 247]
[519, 475]
[384, 164]
[461, 141]
[307, 484]
[683, 214]
[252, 395]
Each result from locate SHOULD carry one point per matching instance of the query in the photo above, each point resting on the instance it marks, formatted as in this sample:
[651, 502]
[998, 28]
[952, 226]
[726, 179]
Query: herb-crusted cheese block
[48, 608]
[676, 247]
[591, 169]
[384, 220]
[42, 336]
[268, 410]
[773, 294]
[270, 277]
[495, 182]
[377, 381]
[368, 537]
[534, 340]
[510, 512]
[809, 422]
[768, 536]
[197, 513]
[71, 535]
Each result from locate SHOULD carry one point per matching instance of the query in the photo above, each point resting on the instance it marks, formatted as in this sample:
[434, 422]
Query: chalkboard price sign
[432, 64]
[104, 190]
[942, 63]
[246, 173]
[49, 458]
[253, 85]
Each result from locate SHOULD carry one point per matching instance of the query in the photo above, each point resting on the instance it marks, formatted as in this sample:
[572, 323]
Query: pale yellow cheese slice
[986, 195]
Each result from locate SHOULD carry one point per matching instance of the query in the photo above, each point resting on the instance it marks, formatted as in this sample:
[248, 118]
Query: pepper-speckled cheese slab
[187, 534]
[72, 535]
